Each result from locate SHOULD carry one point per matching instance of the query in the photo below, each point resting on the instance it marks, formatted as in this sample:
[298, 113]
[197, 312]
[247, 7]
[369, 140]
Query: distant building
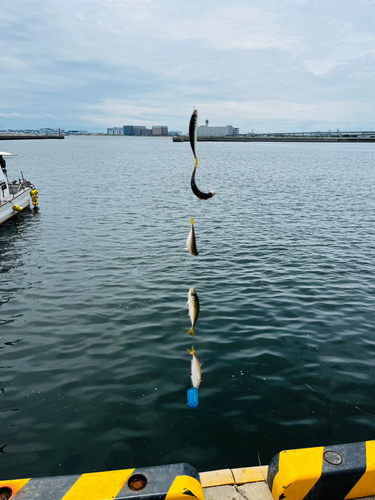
[128, 130]
[159, 130]
[146, 131]
[138, 130]
[205, 130]
[115, 131]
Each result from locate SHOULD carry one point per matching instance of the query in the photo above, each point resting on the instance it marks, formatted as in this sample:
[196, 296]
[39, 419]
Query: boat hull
[21, 199]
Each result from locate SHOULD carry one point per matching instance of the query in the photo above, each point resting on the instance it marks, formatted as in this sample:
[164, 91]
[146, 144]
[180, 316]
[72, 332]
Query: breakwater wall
[334, 472]
[14, 137]
[278, 139]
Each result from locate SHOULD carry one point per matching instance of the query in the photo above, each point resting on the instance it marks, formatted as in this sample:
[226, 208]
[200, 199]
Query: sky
[265, 65]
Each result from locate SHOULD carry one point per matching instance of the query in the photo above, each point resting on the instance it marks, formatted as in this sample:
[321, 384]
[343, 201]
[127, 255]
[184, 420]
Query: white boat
[14, 196]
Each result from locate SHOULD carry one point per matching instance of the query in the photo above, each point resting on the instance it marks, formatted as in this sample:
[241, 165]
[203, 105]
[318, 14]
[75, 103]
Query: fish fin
[192, 220]
[200, 364]
[196, 161]
[191, 350]
[187, 303]
[191, 331]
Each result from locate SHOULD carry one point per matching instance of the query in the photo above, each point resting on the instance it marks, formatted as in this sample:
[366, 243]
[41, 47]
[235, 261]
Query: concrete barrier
[332, 472]
[169, 482]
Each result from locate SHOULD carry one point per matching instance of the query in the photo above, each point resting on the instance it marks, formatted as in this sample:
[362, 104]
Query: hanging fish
[190, 242]
[199, 194]
[193, 133]
[194, 310]
[196, 370]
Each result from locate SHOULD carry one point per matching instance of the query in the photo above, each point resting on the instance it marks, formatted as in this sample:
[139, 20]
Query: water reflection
[15, 237]
[97, 294]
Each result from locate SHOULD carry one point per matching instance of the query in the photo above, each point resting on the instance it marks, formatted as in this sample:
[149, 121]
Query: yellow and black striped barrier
[169, 482]
[328, 472]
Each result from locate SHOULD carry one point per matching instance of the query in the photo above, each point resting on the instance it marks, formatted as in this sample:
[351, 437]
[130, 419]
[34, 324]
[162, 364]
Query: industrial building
[158, 130]
[206, 131]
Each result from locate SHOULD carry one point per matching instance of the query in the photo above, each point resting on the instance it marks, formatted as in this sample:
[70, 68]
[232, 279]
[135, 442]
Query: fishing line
[242, 493]
[349, 403]
[260, 465]
[307, 385]
[365, 412]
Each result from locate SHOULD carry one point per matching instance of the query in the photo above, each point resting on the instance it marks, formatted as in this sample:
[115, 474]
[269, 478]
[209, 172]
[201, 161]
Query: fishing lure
[192, 397]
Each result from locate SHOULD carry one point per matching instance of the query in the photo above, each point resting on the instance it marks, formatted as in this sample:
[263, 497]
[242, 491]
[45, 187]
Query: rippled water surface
[94, 366]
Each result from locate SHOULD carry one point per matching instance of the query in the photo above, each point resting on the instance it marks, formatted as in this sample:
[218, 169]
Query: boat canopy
[3, 153]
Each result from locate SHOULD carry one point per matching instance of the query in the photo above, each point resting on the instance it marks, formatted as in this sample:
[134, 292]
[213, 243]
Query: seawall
[278, 139]
[13, 137]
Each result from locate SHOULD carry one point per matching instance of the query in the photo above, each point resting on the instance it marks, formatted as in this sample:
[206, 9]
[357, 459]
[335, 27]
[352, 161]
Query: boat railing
[18, 185]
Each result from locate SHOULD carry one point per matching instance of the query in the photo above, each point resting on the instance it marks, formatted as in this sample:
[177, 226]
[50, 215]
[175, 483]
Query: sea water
[94, 367]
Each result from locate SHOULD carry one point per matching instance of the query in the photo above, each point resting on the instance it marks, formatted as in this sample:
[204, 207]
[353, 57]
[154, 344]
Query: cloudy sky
[267, 65]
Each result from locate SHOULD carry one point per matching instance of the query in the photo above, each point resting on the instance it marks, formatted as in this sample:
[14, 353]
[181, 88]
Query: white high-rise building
[115, 131]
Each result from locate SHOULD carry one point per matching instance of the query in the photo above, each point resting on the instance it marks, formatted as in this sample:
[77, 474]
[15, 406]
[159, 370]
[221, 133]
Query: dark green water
[94, 366]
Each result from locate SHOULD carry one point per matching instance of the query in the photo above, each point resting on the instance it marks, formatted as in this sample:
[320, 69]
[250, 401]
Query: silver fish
[193, 133]
[194, 310]
[191, 244]
[196, 369]
[198, 193]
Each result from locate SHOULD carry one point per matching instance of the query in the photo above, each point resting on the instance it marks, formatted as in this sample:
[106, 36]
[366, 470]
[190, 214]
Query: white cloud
[10, 63]
[232, 27]
[11, 115]
[149, 61]
[124, 112]
[244, 115]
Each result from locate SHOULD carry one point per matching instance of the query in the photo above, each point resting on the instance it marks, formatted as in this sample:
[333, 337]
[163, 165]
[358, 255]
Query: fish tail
[192, 220]
[192, 351]
[191, 331]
